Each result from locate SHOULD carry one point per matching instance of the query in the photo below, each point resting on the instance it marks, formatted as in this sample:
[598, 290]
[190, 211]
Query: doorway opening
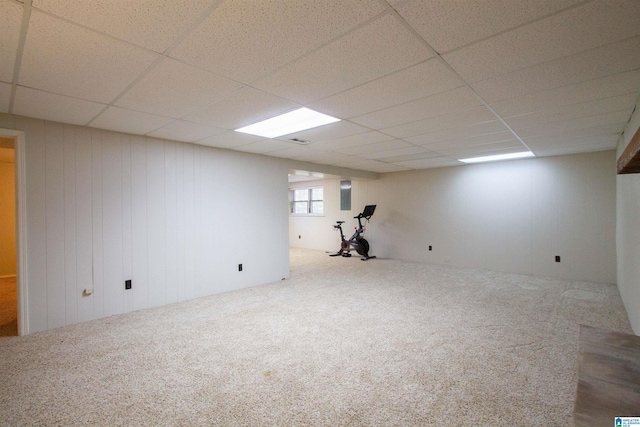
[8, 245]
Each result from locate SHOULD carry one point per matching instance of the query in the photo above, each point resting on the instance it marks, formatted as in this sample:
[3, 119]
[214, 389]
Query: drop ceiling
[416, 83]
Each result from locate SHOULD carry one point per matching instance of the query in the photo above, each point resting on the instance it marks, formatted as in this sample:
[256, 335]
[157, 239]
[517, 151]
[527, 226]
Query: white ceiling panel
[10, 25]
[623, 103]
[605, 132]
[427, 78]
[573, 149]
[564, 74]
[350, 141]
[380, 167]
[57, 108]
[592, 90]
[128, 121]
[294, 152]
[575, 124]
[244, 107]
[593, 64]
[585, 27]
[5, 97]
[69, 60]
[174, 89]
[491, 129]
[230, 139]
[181, 130]
[244, 39]
[335, 130]
[375, 50]
[483, 149]
[434, 162]
[436, 105]
[447, 24]
[402, 154]
[453, 120]
[363, 150]
[153, 24]
[265, 146]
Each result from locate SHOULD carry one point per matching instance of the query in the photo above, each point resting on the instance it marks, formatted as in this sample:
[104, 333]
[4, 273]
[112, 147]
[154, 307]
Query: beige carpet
[343, 342]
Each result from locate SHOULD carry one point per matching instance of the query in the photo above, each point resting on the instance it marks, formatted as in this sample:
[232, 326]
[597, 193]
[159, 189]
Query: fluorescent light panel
[284, 124]
[498, 157]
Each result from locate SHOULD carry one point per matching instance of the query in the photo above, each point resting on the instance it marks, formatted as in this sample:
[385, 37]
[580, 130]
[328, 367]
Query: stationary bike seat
[340, 222]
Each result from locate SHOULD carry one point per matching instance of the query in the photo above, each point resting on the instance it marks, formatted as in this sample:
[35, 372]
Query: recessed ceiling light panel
[498, 157]
[284, 124]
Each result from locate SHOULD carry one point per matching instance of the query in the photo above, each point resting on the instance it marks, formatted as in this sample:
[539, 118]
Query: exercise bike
[356, 241]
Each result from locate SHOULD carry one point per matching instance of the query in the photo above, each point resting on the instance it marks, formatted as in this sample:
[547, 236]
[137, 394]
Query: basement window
[307, 201]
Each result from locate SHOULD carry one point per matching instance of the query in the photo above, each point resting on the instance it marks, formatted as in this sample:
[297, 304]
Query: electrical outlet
[127, 284]
[557, 258]
[239, 267]
[430, 247]
[299, 236]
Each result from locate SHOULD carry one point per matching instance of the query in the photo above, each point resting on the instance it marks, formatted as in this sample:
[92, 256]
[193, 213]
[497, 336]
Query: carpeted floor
[343, 342]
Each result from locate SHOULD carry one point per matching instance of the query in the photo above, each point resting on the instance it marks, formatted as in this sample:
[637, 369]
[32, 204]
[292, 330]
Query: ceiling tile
[153, 24]
[575, 124]
[427, 78]
[121, 120]
[592, 90]
[447, 24]
[244, 107]
[572, 136]
[434, 162]
[382, 167]
[573, 149]
[494, 128]
[585, 27]
[57, 108]
[174, 89]
[244, 39]
[265, 146]
[363, 150]
[230, 139]
[350, 141]
[483, 149]
[334, 130]
[181, 130]
[402, 154]
[10, 25]
[593, 64]
[574, 111]
[69, 60]
[454, 120]
[293, 152]
[375, 50]
[551, 141]
[447, 102]
[5, 97]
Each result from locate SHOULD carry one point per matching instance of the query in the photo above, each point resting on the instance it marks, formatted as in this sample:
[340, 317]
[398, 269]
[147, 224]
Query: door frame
[21, 227]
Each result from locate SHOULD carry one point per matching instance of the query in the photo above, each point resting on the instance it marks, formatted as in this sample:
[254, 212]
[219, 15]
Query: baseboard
[7, 276]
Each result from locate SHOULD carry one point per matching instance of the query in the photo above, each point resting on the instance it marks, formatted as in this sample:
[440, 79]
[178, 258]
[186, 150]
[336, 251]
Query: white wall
[176, 218]
[506, 216]
[628, 231]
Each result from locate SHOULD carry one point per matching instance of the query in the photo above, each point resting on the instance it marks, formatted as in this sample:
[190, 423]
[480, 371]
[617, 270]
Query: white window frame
[309, 200]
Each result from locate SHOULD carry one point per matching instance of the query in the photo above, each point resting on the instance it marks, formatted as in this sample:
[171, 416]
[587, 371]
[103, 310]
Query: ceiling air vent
[300, 141]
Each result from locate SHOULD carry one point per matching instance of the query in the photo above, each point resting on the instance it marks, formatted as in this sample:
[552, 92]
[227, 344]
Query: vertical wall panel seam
[46, 235]
[64, 227]
[146, 208]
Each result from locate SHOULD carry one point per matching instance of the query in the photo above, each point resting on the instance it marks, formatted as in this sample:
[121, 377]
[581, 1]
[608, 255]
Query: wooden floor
[608, 377]
[8, 307]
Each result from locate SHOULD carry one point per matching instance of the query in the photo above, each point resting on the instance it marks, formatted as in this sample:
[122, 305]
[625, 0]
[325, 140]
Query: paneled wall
[7, 214]
[175, 218]
[628, 230]
[512, 216]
